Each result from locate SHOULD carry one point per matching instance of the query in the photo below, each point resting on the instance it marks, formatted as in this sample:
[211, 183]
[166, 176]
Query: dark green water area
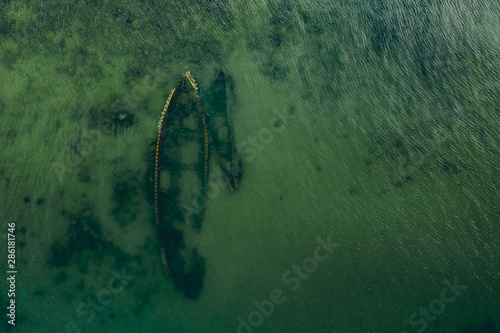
[368, 145]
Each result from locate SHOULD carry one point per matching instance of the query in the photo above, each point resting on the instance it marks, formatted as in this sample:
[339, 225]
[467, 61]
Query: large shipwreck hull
[181, 175]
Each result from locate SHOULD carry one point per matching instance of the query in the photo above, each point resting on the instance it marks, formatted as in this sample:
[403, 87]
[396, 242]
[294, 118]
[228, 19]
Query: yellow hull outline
[161, 126]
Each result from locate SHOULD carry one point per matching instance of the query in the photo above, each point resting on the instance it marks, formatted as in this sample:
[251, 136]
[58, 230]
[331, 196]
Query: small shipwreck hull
[219, 109]
[181, 175]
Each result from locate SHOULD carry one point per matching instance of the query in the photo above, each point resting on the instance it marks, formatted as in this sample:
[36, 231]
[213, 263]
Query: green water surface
[372, 124]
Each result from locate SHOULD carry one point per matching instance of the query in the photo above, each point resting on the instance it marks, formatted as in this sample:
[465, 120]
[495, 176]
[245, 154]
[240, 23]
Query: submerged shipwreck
[187, 137]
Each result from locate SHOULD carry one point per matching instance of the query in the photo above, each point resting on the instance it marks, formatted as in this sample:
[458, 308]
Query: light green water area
[369, 138]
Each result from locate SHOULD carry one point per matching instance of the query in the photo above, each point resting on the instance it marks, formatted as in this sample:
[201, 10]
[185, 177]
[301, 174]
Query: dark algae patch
[412, 34]
[84, 244]
[60, 277]
[112, 118]
[83, 175]
[60, 255]
[486, 326]
[450, 168]
[126, 191]
[39, 293]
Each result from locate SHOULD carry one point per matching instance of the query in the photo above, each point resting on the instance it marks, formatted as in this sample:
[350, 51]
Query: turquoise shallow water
[372, 125]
